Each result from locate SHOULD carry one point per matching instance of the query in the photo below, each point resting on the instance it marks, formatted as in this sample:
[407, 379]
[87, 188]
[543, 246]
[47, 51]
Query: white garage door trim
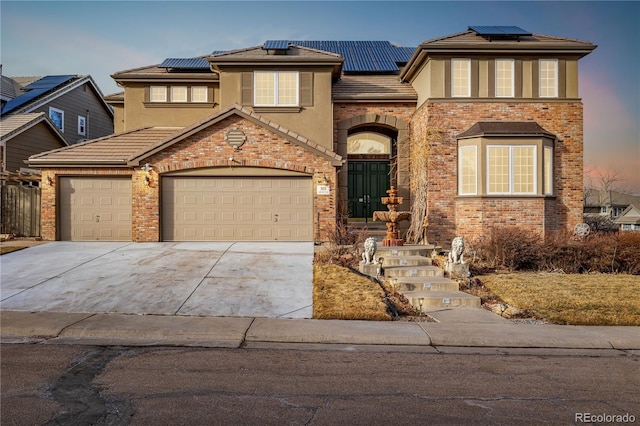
[94, 208]
[232, 208]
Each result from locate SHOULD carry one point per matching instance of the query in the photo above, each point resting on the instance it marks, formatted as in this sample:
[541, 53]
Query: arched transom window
[368, 143]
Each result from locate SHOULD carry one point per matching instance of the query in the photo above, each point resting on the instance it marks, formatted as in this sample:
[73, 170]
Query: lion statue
[456, 255]
[370, 247]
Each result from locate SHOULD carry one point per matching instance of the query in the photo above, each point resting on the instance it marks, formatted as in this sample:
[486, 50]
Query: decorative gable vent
[236, 138]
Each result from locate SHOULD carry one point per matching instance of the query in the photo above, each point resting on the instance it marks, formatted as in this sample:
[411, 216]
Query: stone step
[389, 261]
[406, 250]
[442, 299]
[404, 284]
[413, 271]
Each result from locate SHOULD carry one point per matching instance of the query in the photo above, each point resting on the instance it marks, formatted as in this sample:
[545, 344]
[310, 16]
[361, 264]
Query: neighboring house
[629, 219]
[607, 204]
[23, 135]
[73, 103]
[279, 141]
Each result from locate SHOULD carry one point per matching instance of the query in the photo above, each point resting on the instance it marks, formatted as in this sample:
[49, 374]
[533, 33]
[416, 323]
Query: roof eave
[43, 162]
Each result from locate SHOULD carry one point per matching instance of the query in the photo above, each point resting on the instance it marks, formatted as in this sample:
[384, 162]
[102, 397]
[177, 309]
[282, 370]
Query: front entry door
[368, 183]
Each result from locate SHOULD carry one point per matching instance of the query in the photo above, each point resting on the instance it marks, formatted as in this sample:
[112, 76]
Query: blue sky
[102, 37]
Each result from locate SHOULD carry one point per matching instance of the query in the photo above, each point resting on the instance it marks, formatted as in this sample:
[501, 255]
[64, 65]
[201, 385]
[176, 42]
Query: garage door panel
[240, 208]
[95, 208]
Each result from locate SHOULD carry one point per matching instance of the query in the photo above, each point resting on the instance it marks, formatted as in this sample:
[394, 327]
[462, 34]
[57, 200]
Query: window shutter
[306, 89]
[247, 88]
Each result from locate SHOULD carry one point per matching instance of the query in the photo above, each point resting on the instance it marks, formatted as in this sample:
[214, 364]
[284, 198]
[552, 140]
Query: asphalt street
[368, 385]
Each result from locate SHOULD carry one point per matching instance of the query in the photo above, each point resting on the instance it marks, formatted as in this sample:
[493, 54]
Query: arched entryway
[370, 152]
[376, 151]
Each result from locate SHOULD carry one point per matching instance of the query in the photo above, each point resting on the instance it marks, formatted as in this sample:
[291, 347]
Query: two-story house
[40, 114]
[279, 141]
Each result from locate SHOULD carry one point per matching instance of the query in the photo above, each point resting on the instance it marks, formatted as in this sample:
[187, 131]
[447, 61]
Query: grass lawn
[9, 249]
[339, 293]
[577, 299]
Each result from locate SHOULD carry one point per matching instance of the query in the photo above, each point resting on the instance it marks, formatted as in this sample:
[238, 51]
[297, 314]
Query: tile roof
[14, 125]
[504, 128]
[113, 149]
[372, 87]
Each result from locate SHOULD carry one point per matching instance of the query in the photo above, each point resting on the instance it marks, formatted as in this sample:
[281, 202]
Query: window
[548, 170]
[158, 94]
[461, 78]
[199, 94]
[368, 143]
[57, 116]
[511, 169]
[276, 88]
[548, 78]
[82, 125]
[504, 78]
[178, 93]
[468, 170]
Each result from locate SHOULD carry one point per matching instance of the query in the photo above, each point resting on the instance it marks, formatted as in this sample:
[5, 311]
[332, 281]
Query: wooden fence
[20, 210]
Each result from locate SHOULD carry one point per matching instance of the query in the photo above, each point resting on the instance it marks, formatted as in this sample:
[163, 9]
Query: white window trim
[276, 103]
[157, 100]
[475, 153]
[549, 149]
[61, 112]
[185, 90]
[468, 61]
[535, 170]
[206, 94]
[513, 90]
[555, 91]
[82, 125]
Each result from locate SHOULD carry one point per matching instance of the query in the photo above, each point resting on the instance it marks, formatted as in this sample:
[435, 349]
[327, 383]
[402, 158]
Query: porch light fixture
[147, 168]
[49, 181]
[420, 302]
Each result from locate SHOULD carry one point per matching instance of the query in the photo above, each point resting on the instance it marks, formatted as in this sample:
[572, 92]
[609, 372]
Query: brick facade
[205, 149]
[450, 215]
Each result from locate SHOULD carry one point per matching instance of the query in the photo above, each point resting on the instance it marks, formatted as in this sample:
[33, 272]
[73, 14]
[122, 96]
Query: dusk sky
[102, 37]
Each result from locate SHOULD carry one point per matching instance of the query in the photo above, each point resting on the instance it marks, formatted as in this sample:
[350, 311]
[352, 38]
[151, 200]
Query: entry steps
[411, 271]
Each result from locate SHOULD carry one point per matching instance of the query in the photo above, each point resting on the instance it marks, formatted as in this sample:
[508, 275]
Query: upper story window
[504, 78]
[57, 116]
[548, 78]
[461, 78]
[82, 125]
[178, 93]
[276, 88]
[199, 94]
[158, 94]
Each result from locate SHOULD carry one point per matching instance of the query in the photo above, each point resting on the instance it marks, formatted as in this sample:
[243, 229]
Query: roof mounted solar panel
[185, 63]
[49, 82]
[35, 90]
[500, 32]
[276, 45]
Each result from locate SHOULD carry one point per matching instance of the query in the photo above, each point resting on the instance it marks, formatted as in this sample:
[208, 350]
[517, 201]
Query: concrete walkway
[203, 279]
[147, 330]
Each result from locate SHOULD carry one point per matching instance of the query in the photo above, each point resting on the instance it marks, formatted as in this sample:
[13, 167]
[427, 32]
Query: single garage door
[237, 209]
[95, 209]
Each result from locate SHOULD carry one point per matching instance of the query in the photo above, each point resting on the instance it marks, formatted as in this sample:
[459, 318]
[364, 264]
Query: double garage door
[192, 209]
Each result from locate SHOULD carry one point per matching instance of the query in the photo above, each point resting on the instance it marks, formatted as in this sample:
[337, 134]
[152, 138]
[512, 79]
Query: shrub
[518, 249]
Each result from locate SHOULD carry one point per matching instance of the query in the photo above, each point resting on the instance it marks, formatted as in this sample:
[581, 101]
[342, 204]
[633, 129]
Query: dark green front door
[368, 183]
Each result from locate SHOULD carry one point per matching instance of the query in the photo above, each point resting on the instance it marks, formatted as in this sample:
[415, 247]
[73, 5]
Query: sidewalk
[236, 332]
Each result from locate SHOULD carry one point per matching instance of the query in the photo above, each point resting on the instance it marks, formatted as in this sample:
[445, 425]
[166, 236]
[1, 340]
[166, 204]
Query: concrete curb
[235, 332]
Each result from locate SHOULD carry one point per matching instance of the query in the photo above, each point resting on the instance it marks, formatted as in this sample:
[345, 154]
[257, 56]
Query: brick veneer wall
[450, 215]
[207, 148]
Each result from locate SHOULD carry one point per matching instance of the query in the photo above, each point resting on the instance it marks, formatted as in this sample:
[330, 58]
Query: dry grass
[577, 299]
[9, 249]
[339, 293]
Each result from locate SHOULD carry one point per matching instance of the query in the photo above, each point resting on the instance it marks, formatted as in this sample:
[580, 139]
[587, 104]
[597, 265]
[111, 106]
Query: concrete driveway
[265, 279]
